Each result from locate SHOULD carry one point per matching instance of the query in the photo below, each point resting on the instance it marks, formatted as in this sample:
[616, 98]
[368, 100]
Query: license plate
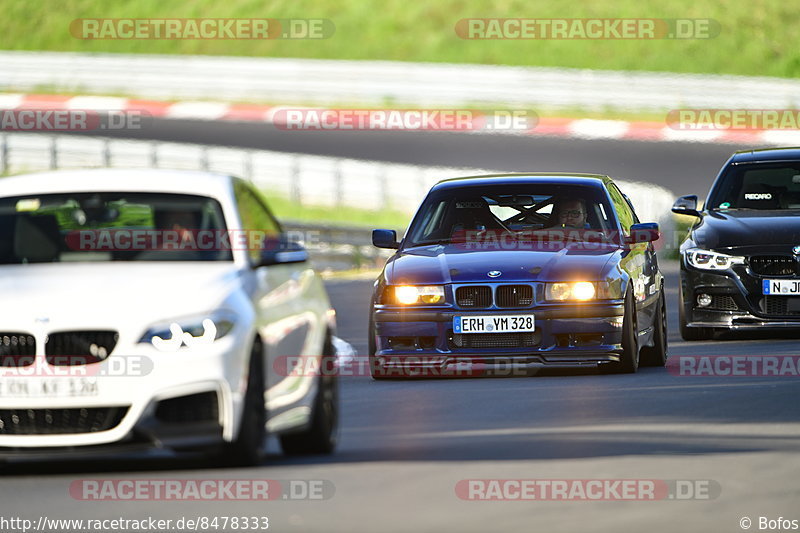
[47, 388]
[787, 287]
[493, 324]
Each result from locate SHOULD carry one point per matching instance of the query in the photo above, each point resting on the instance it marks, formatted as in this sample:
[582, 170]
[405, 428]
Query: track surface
[405, 445]
[684, 168]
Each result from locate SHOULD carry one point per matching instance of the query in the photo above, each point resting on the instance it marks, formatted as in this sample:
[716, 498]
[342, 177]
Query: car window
[515, 209]
[111, 226]
[626, 216]
[758, 186]
[256, 218]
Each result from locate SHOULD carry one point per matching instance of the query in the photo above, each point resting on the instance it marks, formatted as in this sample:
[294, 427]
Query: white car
[157, 309]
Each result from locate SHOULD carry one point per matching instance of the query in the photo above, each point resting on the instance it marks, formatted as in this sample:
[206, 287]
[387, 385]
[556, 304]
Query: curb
[547, 127]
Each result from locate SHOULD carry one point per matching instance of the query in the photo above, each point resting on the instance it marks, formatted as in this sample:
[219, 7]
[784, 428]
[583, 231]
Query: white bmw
[138, 313]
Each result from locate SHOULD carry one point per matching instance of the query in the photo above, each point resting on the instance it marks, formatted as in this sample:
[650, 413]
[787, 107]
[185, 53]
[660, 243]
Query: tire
[323, 432]
[629, 360]
[687, 333]
[656, 355]
[248, 447]
[377, 372]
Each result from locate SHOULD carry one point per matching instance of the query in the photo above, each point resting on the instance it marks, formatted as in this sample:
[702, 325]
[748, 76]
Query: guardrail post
[338, 185]
[383, 184]
[204, 158]
[4, 153]
[248, 165]
[107, 153]
[53, 153]
[296, 192]
[154, 155]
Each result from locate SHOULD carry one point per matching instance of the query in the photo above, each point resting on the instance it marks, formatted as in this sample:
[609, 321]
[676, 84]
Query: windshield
[114, 226]
[758, 186]
[515, 211]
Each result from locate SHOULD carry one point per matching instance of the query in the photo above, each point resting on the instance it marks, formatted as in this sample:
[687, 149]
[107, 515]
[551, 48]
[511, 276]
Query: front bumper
[737, 301]
[189, 399]
[421, 342]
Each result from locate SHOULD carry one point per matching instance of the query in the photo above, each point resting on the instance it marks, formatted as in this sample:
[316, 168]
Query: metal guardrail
[336, 82]
[306, 179]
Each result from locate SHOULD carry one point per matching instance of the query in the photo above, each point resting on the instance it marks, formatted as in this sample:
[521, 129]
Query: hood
[110, 295]
[748, 230]
[441, 264]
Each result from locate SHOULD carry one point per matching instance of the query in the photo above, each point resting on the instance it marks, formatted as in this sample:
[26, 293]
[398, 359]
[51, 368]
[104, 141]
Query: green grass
[756, 38]
[286, 209]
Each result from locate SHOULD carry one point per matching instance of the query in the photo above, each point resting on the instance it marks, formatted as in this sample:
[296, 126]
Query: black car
[507, 274]
[740, 263]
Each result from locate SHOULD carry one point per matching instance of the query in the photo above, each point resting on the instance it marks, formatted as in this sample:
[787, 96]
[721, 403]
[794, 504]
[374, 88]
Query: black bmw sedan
[506, 274]
[740, 262]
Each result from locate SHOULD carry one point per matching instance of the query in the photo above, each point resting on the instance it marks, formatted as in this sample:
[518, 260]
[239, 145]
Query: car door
[639, 262]
[290, 303]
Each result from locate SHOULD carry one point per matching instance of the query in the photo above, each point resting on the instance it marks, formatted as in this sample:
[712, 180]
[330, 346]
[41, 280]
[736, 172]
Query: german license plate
[787, 287]
[47, 388]
[493, 324]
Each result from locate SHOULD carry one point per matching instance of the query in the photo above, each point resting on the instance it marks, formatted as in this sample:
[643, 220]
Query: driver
[570, 213]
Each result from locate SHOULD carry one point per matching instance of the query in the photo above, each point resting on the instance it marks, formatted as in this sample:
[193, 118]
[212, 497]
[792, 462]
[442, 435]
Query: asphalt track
[684, 168]
[406, 444]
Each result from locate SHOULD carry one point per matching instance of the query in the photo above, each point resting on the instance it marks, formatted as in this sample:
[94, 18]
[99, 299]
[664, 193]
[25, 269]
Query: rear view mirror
[646, 232]
[282, 251]
[686, 205]
[385, 238]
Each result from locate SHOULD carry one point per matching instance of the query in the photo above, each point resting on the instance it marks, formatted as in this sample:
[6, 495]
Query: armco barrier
[373, 83]
[306, 179]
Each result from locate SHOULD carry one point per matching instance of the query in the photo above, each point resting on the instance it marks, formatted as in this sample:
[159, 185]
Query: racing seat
[476, 218]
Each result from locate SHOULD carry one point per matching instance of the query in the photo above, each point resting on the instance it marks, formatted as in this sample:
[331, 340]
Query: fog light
[703, 300]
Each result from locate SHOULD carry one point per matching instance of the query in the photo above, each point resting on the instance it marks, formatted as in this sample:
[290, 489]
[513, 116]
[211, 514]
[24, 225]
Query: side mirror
[686, 205]
[385, 238]
[282, 251]
[645, 232]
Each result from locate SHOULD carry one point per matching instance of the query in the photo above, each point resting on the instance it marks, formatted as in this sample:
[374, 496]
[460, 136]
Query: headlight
[419, 294]
[707, 260]
[582, 291]
[190, 331]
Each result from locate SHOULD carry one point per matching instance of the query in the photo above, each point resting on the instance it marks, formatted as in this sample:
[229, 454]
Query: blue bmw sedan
[506, 274]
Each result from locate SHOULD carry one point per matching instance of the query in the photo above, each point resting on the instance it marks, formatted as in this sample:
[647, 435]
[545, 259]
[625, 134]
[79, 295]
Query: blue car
[507, 274]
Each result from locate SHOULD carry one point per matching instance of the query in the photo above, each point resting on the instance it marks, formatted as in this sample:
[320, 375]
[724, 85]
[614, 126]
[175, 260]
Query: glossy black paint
[746, 233]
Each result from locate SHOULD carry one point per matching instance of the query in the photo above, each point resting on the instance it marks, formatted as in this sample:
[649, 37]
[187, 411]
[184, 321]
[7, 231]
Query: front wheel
[248, 447]
[323, 431]
[656, 355]
[629, 361]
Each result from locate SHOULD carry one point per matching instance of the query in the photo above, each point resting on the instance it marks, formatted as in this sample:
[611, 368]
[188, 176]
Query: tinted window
[256, 218]
[111, 226]
[515, 209]
[624, 211]
[758, 186]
